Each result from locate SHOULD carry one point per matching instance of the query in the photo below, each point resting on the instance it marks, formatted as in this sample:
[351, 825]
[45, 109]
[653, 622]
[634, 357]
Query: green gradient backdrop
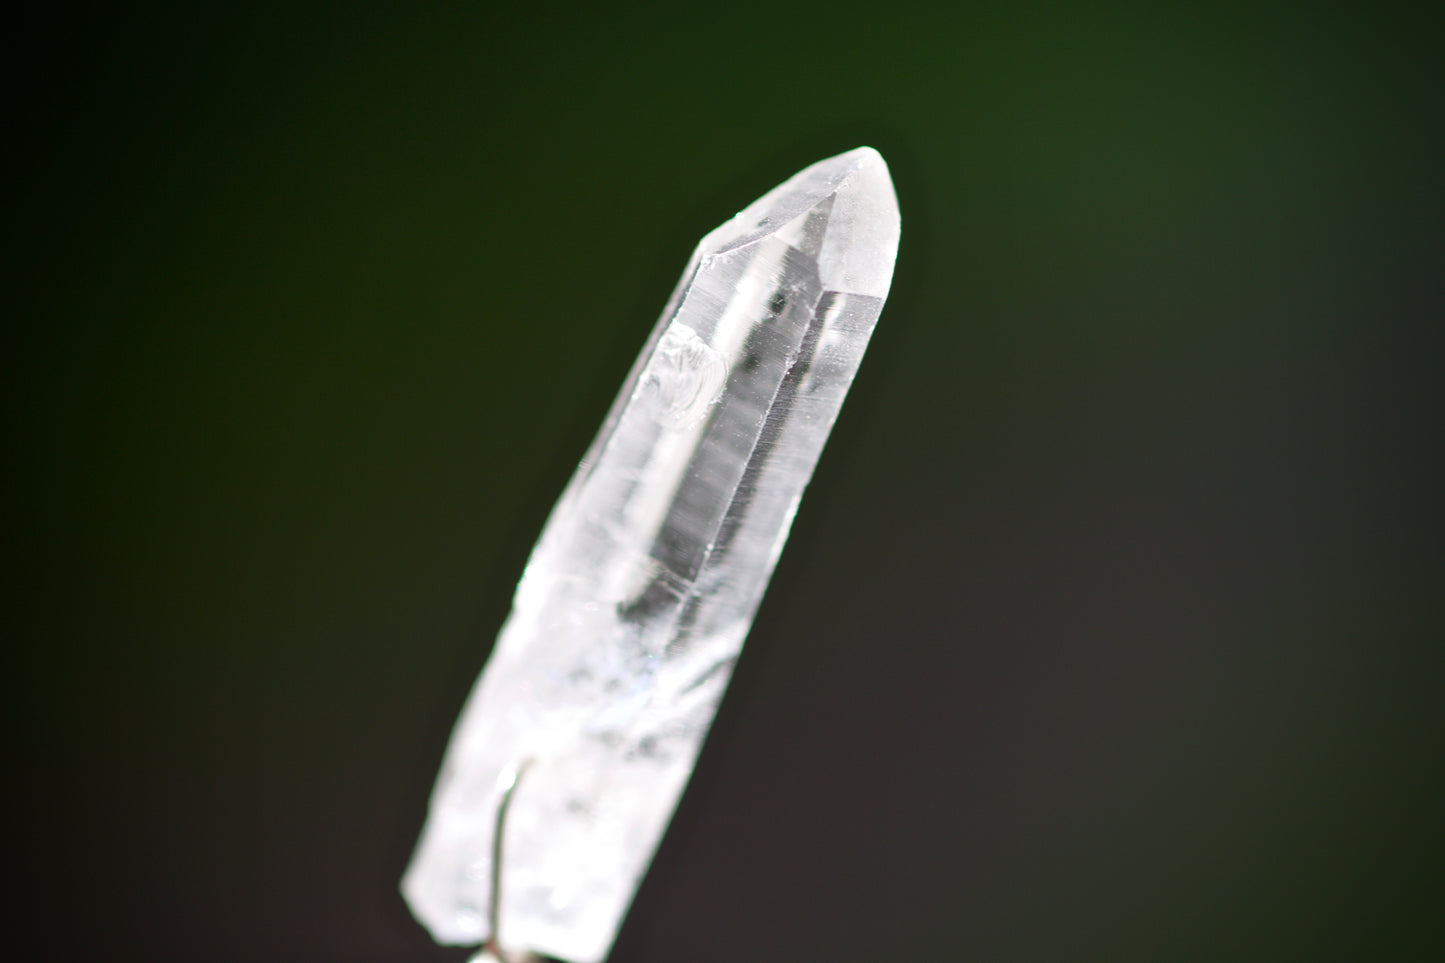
[1109, 631]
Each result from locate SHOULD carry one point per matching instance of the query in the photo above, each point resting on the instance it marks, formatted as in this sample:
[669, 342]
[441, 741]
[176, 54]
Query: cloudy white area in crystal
[636, 600]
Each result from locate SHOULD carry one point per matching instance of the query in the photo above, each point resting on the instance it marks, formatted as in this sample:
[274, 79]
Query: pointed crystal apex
[843, 208]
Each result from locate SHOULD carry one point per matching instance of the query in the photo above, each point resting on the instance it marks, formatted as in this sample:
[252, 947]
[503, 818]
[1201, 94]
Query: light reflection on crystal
[684, 378]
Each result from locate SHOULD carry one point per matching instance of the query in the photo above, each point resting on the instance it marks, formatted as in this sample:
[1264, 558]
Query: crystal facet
[636, 600]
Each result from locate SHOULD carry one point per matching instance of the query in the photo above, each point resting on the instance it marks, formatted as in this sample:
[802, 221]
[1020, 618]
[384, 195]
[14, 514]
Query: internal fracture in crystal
[636, 599]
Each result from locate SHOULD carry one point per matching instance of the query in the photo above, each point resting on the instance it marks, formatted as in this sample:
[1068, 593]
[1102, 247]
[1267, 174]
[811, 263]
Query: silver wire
[492, 949]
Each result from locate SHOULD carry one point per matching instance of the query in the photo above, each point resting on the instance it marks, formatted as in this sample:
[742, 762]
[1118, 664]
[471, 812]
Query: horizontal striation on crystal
[637, 597]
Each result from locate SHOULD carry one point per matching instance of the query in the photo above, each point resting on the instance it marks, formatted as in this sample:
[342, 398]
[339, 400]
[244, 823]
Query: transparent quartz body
[636, 599]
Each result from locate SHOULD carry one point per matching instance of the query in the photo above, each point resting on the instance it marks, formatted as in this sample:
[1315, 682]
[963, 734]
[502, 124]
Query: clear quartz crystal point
[636, 599]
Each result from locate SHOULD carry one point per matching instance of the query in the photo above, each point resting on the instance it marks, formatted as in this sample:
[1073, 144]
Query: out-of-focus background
[1109, 630]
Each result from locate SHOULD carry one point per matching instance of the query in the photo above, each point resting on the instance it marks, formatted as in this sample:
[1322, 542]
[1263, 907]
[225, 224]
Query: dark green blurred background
[1110, 629]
